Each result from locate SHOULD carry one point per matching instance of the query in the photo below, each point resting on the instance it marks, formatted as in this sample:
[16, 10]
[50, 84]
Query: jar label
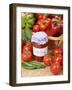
[40, 51]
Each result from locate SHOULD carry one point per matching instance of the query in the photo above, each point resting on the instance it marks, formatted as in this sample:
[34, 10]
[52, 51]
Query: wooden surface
[37, 72]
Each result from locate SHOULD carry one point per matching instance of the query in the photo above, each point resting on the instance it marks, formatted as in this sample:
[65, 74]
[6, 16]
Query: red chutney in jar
[40, 45]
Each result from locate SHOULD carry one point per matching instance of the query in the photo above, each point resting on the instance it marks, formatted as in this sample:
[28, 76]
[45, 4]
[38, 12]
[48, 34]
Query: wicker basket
[55, 41]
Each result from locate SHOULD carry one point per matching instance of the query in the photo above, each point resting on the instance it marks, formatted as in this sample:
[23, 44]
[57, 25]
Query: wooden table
[37, 72]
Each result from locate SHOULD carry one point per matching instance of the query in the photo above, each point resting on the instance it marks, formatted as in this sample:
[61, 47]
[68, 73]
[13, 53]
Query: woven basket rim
[55, 38]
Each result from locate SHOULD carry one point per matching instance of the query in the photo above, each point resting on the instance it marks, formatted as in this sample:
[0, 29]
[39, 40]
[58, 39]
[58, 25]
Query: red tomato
[48, 20]
[36, 28]
[43, 27]
[44, 24]
[58, 59]
[27, 47]
[56, 51]
[55, 68]
[47, 60]
[41, 16]
[26, 56]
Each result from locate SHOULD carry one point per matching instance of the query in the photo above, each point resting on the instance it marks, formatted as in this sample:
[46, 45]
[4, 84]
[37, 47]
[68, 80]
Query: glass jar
[40, 45]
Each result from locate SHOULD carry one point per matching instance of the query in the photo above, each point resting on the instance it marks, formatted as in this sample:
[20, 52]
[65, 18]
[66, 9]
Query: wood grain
[37, 72]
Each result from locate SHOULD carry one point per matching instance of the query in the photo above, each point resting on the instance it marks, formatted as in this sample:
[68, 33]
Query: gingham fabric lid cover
[40, 38]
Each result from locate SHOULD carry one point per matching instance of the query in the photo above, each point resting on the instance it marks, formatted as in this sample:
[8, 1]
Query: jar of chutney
[40, 45]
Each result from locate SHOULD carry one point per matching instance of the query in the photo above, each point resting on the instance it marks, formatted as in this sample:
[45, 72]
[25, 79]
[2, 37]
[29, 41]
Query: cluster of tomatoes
[53, 26]
[55, 61]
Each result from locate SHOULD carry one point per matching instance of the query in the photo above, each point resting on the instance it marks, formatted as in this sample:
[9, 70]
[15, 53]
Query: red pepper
[55, 27]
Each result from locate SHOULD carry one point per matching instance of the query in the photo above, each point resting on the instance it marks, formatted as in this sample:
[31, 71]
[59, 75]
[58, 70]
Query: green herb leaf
[28, 34]
[23, 21]
[27, 21]
[23, 36]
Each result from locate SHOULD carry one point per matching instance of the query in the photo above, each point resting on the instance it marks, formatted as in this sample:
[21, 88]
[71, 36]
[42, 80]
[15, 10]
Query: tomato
[44, 23]
[27, 52]
[55, 68]
[41, 16]
[58, 58]
[56, 51]
[27, 47]
[48, 21]
[36, 28]
[47, 60]
[27, 56]
[43, 27]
